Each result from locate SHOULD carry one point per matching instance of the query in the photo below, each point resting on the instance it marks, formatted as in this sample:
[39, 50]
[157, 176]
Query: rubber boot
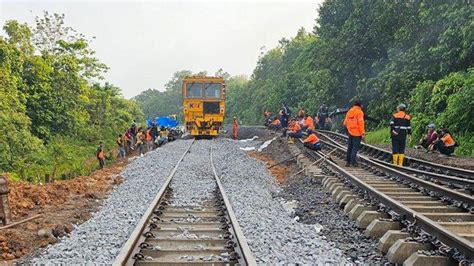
[400, 159]
[395, 159]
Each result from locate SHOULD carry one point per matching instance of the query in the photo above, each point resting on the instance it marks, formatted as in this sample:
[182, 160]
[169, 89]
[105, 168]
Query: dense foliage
[383, 52]
[52, 110]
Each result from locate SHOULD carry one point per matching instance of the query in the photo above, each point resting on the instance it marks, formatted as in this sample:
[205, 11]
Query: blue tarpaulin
[163, 121]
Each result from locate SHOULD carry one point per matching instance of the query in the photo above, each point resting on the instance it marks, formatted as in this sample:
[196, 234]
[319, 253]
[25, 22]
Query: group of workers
[320, 121]
[400, 130]
[136, 137]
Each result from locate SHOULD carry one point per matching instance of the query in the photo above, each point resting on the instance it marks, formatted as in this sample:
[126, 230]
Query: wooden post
[5, 214]
[46, 178]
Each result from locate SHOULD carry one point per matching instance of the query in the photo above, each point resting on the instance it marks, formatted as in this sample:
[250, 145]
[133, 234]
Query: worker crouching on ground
[100, 154]
[445, 144]
[355, 125]
[294, 131]
[428, 140]
[163, 136]
[276, 124]
[235, 128]
[399, 129]
[308, 123]
[312, 141]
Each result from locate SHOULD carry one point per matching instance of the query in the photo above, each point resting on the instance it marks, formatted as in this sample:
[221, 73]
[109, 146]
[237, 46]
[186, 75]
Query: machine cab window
[194, 90]
[212, 90]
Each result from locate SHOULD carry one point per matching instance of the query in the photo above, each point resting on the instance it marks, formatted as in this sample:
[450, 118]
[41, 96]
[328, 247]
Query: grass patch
[378, 136]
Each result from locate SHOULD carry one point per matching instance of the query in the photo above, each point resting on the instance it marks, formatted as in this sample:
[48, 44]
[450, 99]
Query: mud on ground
[314, 206]
[62, 204]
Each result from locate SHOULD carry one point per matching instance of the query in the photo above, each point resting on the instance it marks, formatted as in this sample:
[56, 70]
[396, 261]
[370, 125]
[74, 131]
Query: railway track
[183, 231]
[440, 176]
[410, 162]
[437, 214]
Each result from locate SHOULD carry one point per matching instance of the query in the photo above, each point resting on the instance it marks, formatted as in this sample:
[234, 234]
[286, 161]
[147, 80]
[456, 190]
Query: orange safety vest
[313, 139]
[148, 135]
[276, 122]
[309, 122]
[295, 127]
[354, 121]
[101, 155]
[448, 140]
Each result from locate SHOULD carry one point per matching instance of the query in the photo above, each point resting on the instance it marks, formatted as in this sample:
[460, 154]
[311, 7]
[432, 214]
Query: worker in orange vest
[100, 154]
[312, 141]
[399, 129]
[294, 131]
[445, 143]
[149, 139]
[308, 122]
[235, 128]
[354, 123]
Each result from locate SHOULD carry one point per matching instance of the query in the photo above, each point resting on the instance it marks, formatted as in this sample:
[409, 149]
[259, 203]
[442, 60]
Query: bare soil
[62, 205]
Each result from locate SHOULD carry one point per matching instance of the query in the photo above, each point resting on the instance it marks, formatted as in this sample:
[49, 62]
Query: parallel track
[434, 172]
[410, 162]
[408, 199]
[172, 234]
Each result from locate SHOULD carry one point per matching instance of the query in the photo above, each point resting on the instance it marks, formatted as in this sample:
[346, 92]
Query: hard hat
[402, 106]
[431, 125]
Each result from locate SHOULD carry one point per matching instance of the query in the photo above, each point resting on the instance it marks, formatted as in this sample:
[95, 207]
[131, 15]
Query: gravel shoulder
[272, 232]
[314, 207]
[99, 240]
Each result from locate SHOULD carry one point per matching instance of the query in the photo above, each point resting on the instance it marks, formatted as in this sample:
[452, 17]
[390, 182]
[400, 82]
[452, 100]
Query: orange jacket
[313, 139]
[448, 140]
[148, 135]
[354, 121]
[309, 122]
[276, 122]
[295, 127]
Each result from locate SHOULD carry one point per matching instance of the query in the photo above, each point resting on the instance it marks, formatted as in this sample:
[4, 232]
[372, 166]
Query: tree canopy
[53, 108]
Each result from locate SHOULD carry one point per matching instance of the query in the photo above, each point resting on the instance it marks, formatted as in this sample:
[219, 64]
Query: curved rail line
[407, 199]
[156, 239]
[411, 162]
[463, 185]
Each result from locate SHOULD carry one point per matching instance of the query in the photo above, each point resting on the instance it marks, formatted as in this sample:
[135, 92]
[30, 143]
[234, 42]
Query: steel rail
[453, 194]
[247, 255]
[448, 170]
[448, 238]
[446, 179]
[132, 245]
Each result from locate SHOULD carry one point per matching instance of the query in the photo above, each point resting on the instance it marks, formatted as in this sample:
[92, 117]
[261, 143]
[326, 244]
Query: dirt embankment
[62, 204]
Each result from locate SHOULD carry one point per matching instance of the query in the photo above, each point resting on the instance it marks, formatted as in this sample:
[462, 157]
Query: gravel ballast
[100, 239]
[273, 235]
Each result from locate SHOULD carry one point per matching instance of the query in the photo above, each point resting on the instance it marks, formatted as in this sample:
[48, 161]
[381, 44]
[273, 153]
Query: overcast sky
[145, 42]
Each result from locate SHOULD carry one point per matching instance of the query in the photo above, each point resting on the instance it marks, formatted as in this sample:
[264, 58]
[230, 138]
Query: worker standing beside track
[399, 129]
[100, 154]
[235, 128]
[354, 123]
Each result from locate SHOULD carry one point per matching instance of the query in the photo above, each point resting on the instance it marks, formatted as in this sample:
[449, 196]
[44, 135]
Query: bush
[379, 136]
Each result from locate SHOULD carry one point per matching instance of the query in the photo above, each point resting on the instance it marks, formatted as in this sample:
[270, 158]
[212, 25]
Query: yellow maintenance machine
[203, 105]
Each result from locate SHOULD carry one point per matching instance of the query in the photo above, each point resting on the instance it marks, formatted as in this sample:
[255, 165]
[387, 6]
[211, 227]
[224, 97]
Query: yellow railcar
[203, 105]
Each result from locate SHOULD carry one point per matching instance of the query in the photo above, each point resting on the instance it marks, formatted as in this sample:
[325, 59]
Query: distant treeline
[420, 53]
[52, 112]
